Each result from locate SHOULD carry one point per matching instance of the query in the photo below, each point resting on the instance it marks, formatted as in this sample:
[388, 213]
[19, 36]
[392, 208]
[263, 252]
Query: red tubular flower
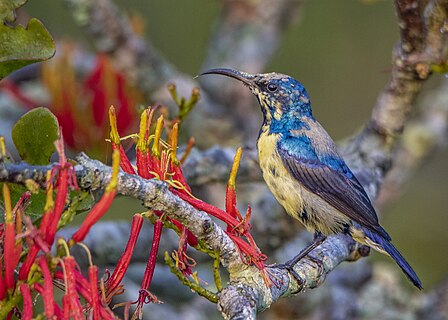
[57, 310]
[103, 205]
[156, 163]
[123, 263]
[66, 306]
[98, 80]
[62, 182]
[231, 190]
[210, 209]
[68, 125]
[82, 286]
[10, 255]
[71, 291]
[95, 298]
[252, 255]
[142, 147]
[149, 271]
[32, 253]
[150, 266]
[59, 205]
[27, 313]
[126, 113]
[125, 164]
[47, 294]
[94, 215]
[107, 86]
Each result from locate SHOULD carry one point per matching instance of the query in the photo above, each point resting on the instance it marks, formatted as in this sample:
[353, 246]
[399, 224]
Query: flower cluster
[29, 268]
[26, 251]
[157, 159]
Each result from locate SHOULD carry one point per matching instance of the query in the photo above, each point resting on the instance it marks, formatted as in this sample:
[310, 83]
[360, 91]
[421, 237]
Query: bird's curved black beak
[244, 77]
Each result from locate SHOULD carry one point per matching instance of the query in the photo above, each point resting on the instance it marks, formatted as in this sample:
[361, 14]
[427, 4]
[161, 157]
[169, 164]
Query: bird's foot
[289, 265]
[290, 268]
[318, 262]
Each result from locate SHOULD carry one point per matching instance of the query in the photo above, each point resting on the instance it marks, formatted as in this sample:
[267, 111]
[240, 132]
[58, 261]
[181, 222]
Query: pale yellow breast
[296, 199]
[285, 188]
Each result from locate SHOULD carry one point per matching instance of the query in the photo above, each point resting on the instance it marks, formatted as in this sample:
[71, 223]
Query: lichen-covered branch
[93, 175]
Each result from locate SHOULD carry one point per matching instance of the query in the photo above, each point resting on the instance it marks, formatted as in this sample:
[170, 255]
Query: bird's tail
[396, 255]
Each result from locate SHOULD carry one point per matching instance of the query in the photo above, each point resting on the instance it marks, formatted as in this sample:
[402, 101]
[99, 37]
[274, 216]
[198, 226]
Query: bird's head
[281, 97]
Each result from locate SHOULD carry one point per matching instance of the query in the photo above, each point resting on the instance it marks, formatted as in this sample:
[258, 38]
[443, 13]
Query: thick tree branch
[93, 175]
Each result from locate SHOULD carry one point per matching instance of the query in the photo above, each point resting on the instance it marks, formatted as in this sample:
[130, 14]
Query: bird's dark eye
[272, 87]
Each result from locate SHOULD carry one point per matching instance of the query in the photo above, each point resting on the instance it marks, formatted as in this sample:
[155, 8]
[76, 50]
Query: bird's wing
[345, 194]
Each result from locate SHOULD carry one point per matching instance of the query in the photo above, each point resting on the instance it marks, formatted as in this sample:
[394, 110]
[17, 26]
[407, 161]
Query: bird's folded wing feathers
[345, 194]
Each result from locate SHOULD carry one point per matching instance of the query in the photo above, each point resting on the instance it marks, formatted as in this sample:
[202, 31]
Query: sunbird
[305, 172]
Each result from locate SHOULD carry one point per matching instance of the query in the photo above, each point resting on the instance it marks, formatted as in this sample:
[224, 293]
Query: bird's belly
[314, 212]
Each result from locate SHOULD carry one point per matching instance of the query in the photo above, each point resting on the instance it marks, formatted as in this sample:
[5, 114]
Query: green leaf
[34, 135]
[22, 46]
[36, 206]
[7, 8]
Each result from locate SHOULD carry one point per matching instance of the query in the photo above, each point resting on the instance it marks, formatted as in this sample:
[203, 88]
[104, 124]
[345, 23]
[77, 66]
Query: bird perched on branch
[305, 172]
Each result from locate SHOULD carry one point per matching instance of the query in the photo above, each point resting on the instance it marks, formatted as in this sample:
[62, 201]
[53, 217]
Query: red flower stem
[27, 313]
[123, 263]
[150, 266]
[47, 294]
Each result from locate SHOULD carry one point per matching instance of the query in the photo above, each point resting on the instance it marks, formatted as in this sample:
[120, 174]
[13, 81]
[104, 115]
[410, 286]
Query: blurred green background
[340, 50]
